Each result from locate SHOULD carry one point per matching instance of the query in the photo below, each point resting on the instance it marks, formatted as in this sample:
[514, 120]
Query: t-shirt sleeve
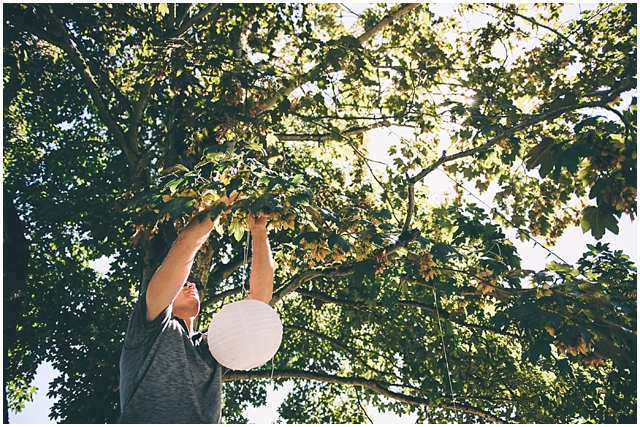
[139, 330]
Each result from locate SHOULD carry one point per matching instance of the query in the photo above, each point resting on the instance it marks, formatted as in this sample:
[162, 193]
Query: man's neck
[188, 324]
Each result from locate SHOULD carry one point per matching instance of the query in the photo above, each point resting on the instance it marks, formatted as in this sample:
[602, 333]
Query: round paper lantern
[245, 334]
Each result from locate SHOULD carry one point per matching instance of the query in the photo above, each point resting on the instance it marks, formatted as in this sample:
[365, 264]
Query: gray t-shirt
[165, 375]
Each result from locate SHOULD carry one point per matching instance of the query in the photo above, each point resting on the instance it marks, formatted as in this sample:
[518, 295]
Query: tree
[121, 121]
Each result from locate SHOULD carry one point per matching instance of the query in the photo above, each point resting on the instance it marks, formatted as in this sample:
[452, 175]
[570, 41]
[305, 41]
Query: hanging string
[273, 366]
[444, 351]
[246, 263]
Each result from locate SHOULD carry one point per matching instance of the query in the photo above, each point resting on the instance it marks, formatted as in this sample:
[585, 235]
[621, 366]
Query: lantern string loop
[246, 262]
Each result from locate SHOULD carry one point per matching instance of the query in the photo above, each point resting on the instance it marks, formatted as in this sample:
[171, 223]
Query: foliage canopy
[123, 120]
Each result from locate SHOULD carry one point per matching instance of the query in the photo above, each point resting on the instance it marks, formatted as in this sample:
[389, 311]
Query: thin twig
[410, 205]
[553, 30]
[194, 20]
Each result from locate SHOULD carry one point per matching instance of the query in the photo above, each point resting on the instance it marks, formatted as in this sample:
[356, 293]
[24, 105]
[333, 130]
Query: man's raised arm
[172, 274]
[261, 279]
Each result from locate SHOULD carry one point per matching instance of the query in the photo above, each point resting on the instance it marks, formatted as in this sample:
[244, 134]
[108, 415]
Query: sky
[534, 257]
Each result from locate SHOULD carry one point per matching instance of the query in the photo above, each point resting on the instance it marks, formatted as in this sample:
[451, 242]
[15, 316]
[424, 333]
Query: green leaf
[500, 321]
[254, 146]
[441, 250]
[216, 151]
[177, 206]
[490, 129]
[335, 239]
[381, 214]
[175, 168]
[273, 182]
[330, 215]
[544, 155]
[272, 138]
[601, 188]
[336, 134]
[233, 185]
[387, 227]
[564, 367]
[298, 199]
[216, 210]
[591, 121]
[334, 56]
[598, 219]
[364, 269]
[568, 159]
[493, 264]
[309, 237]
[265, 202]
[174, 184]
[237, 229]
[539, 348]
[381, 238]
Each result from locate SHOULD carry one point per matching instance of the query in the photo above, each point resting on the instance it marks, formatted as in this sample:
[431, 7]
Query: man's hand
[230, 200]
[257, 223]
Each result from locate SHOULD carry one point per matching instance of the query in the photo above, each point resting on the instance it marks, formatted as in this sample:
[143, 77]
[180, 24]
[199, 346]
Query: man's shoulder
[140, 330]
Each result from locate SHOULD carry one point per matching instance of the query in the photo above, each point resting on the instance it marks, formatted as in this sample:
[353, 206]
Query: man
[167, 374]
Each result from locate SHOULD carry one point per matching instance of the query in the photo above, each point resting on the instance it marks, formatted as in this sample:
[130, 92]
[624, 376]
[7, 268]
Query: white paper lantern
[245, 334]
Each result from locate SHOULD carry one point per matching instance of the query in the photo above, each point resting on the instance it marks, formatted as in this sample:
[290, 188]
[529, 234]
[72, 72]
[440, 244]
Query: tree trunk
[14, 276]
[202, 267]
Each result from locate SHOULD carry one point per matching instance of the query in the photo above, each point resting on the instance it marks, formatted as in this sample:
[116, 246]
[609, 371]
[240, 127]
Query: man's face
[187, 303]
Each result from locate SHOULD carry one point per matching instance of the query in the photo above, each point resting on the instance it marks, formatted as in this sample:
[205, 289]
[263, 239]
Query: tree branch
[64, 43]
[194, 20]
[328, 136]
[288, 89]
[138, 111]
[221, 273]
[378, 118]
[404, 303]
[387, 20]
[219, 297]
[305, 276]
[629, 129]
[548, 115]
[126, 103]
[341, 270]
[375, 386]
[338, 345]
